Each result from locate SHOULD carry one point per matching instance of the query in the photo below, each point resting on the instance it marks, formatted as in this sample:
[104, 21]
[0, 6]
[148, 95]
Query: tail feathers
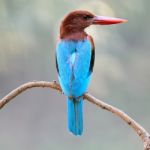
[75, 116]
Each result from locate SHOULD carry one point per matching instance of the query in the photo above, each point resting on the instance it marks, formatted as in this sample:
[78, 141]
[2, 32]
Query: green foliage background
[36, 120]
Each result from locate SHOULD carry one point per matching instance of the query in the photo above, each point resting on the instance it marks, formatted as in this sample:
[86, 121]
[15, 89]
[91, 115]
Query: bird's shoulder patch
[91, 41]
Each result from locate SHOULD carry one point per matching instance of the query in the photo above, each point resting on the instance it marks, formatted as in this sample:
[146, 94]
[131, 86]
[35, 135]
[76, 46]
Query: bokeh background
[36, 120]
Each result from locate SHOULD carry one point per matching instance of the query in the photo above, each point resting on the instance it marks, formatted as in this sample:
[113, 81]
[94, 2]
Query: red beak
[102, 20]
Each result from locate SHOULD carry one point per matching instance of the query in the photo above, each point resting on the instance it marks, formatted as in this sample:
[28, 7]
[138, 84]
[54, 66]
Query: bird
[75, 56]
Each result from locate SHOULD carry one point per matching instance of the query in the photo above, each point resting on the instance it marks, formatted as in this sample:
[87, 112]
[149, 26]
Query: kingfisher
[75, 55]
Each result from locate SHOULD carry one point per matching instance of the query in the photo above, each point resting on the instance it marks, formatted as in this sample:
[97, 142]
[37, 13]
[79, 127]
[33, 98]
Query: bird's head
[75, 22]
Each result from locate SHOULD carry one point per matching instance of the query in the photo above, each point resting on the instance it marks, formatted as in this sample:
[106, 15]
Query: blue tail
[75, 116]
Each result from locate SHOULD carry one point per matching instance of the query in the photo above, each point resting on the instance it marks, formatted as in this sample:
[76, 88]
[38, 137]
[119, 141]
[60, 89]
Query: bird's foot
[84, 95]
[54, 81]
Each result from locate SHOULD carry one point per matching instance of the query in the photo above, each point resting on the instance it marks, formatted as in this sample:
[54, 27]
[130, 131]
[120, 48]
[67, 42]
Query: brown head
[73, 25]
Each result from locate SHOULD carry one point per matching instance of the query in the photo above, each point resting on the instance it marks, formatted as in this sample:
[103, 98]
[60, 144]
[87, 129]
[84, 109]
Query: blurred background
[36, 119]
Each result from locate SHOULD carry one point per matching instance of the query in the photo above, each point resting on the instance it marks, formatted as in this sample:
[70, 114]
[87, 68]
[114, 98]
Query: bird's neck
[72, 33]
[74, 36]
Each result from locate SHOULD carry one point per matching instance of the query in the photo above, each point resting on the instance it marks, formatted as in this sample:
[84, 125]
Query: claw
[54, 81]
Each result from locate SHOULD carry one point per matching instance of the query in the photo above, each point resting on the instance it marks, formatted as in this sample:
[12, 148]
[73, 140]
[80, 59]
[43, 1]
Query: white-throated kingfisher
[75, 55]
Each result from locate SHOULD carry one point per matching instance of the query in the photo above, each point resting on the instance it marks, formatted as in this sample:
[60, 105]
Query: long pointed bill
[102, 20]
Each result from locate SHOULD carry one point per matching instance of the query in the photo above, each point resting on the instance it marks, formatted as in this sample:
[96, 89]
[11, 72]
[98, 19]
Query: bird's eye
[86, 17]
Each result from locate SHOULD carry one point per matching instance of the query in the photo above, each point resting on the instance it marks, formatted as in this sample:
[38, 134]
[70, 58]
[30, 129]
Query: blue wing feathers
[74, 63]
[73, 58]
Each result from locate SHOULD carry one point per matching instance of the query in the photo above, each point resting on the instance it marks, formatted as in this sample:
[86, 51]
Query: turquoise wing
[73, 62]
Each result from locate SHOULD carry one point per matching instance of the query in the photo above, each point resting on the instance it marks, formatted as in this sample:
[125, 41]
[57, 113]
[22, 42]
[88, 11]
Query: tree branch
[143, 134]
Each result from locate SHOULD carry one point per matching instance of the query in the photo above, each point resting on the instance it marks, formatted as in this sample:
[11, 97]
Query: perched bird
[75, 54]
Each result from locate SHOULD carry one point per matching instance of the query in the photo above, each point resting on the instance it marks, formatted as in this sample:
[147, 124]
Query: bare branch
[137, 127]
[143, 134]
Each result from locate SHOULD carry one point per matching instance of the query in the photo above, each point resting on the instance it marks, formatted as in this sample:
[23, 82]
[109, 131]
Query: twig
[143, 134]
